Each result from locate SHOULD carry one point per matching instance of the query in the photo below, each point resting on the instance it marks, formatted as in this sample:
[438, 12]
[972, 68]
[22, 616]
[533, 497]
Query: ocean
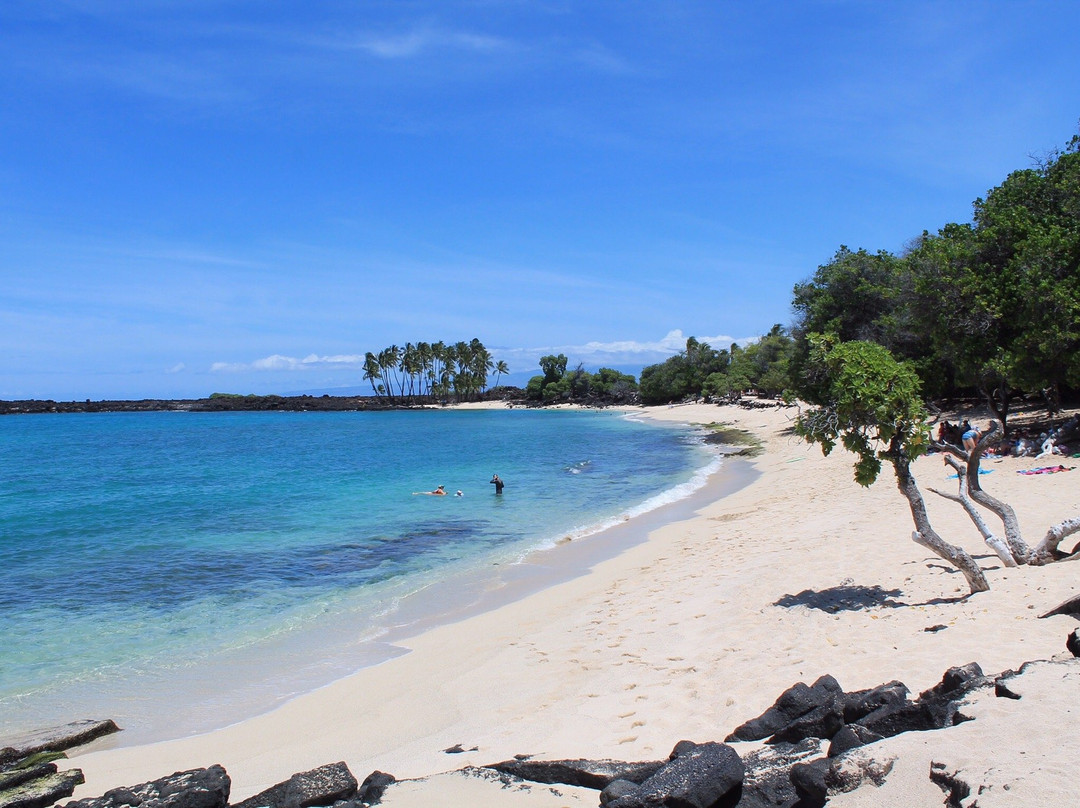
[178, 572]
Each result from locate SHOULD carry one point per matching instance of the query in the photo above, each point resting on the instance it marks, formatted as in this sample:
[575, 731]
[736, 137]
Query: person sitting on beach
[498, 483]
[971, 437]
[438, 492]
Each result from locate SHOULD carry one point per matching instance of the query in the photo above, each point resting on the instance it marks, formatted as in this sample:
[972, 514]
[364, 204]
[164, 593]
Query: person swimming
[438, 492]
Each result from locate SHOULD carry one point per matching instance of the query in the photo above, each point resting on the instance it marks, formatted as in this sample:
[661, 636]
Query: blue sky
[245, 196]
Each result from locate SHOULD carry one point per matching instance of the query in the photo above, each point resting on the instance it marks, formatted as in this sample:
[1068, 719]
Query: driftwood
[1047, 550]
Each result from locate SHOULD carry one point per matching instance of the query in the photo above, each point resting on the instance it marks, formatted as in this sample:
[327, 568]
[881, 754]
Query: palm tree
[425, 358]
[500, 368]
[480, 365]
[372, 371]
[387, 359]
[410, 364]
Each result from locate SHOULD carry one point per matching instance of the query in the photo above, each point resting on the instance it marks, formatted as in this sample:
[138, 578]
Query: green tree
[682, 376]
[870, 403]
[372, 371]
[614, 385]
[554, 368]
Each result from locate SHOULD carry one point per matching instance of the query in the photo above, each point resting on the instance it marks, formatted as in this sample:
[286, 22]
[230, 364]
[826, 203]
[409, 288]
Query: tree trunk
[925, 534]
[998, 400]
[1047, 551]
[995, 543]
[1020, 550]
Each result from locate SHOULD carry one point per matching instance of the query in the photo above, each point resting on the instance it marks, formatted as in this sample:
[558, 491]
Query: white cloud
[591, 354]
[420, 40]
[177, 368]
[621, 352]
[289, 363]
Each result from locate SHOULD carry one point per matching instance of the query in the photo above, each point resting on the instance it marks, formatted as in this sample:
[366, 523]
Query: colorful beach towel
[1045, 470]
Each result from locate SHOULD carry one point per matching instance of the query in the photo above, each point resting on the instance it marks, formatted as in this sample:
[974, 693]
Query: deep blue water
[142, 551]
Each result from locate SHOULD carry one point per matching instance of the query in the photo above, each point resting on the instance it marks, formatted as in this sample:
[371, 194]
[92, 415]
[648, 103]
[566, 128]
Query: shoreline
[685, 635]
[176, 701]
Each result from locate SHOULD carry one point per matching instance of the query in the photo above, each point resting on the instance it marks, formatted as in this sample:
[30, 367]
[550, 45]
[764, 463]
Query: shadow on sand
[843, 598]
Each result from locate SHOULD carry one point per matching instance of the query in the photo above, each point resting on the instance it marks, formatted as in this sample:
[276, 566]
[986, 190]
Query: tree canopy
[431, 371]
[991, 306]
[558, 385]
[703, 371]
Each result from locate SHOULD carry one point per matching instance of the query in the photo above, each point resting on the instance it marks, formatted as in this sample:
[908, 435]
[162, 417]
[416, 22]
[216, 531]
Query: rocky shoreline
[819, 742]
[215, 403]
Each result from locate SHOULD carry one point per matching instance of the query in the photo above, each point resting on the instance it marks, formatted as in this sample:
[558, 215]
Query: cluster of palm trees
[432, 371]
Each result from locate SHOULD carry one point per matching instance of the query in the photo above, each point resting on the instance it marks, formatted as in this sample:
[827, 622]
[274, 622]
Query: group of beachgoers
[440, 491]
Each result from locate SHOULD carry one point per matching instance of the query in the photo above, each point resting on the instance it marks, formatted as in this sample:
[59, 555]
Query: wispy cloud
[424, 39]
[619, 352]
[593, 354]
[277, 362]
[604, 60]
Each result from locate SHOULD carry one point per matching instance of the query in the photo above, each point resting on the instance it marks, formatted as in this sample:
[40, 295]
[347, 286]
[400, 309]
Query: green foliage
[534, 390]
[853, 296]
[557, 384]
[431, 371]
[866, 400]
[761, 367]
[992, 305]
[554, 368]
[614, 385]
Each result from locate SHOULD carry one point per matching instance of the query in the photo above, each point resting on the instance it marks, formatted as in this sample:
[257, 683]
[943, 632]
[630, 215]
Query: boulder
[935, 708]
[863, 702]
[374, 786]
[617, 789]
[893, 719]
[850, 737]
[195, 788]
[55, 738]
[821, 722]
[596, 774]
[43, 790]
[957, 682]
[768, 783]
[1073, 642]
[808, 779]
[16, 776]
[796, 701]
[707, 775]
[322, 786]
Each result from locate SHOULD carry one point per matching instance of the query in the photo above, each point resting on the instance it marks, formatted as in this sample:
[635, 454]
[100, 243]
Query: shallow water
[219, 563]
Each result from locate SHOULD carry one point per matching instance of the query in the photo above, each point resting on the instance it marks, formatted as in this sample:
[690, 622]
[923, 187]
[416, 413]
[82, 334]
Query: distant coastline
[220, 402]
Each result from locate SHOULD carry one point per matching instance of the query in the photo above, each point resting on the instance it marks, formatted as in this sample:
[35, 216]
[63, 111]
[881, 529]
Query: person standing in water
[498, 483]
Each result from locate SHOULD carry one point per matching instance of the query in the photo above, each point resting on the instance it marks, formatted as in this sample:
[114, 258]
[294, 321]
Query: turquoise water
[164, 569]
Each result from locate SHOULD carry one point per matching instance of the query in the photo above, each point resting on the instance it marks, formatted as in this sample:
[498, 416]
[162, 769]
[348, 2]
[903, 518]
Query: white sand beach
[692, 632]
